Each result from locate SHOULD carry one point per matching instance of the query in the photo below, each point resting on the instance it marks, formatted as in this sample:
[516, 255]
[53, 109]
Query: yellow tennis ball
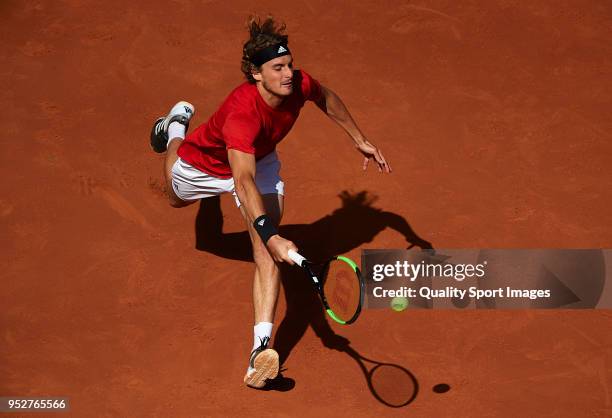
[399, 303]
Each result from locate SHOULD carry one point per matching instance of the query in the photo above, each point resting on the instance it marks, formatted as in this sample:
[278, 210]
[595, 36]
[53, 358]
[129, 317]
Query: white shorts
[189, 183]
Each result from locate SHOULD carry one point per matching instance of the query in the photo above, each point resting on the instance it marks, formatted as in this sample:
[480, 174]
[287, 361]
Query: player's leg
[171, 158]
[266, 284]
[166, 136]
[264, 362]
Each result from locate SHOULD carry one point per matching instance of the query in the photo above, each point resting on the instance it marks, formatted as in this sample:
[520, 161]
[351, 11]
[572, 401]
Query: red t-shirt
[245, 122]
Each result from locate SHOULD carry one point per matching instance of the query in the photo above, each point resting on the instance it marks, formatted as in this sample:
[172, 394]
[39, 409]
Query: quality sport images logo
[487, 278]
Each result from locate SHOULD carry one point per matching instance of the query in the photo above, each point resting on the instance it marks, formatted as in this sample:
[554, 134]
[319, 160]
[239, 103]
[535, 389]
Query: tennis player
[234, 152]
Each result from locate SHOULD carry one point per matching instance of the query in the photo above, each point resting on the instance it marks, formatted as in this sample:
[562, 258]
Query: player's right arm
[243, 170]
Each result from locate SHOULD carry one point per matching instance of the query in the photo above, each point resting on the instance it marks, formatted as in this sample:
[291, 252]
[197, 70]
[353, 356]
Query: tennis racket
[339, 283]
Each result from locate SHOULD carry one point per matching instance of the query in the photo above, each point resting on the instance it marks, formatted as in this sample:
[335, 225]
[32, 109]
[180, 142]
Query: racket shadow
[391, 384]
[341, 236]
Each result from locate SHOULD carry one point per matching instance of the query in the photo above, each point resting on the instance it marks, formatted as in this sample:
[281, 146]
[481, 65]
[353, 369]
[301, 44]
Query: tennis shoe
[263, 365]
[181, 113]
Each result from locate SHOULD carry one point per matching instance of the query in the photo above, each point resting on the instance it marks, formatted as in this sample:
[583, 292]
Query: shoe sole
[266, 367]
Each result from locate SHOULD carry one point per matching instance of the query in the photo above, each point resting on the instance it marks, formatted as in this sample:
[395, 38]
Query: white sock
[176, 130]
[260, 331]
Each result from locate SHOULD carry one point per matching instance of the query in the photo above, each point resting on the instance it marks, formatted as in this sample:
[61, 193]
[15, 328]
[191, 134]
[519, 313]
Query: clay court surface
[494, 115]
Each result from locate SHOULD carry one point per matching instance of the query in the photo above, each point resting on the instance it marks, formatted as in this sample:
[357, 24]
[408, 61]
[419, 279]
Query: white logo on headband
[281, 49]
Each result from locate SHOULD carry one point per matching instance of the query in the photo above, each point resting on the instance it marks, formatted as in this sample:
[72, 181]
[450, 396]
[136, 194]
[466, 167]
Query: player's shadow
[354, 223]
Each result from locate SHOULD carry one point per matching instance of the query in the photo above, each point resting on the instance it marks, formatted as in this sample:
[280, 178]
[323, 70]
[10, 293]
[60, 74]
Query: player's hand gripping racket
[339, 284]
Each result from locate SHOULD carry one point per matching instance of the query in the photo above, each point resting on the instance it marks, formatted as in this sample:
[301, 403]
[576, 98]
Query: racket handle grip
[296, 258]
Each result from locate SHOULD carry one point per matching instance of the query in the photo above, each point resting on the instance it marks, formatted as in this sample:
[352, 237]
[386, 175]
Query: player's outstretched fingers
[382, 162]
[366, 160]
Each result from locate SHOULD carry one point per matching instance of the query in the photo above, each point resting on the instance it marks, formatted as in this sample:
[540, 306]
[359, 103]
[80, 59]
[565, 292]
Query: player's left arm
[332, 106]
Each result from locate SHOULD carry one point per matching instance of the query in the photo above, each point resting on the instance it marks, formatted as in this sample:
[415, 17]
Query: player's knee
[261, 255]
[268, 269]
[264, 260]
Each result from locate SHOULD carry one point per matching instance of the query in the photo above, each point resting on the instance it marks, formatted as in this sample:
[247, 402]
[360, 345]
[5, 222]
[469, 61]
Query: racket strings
[342, 289]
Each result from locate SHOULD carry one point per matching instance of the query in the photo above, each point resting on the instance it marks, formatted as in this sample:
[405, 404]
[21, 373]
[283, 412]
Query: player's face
[277, 76]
